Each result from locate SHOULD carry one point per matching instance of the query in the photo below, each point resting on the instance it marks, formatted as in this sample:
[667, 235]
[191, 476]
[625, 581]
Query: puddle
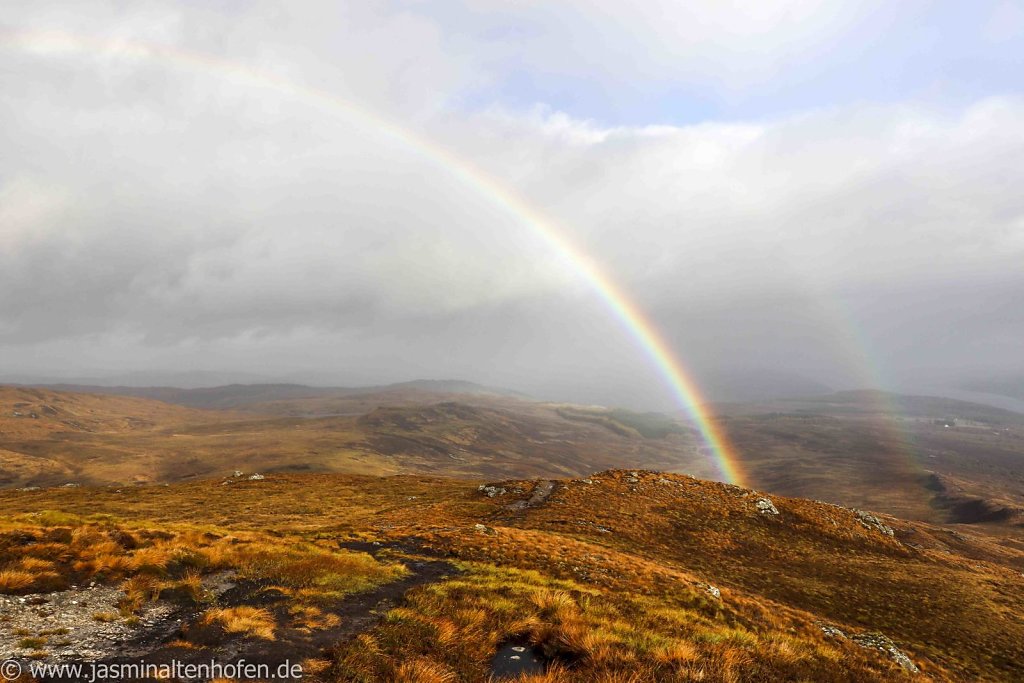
[513, 659]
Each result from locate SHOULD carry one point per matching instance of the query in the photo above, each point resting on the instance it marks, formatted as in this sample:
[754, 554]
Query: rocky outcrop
[869, 521]
[884, 644]
[78, 623]
[874, 641]
[766, 507]
[490, 490]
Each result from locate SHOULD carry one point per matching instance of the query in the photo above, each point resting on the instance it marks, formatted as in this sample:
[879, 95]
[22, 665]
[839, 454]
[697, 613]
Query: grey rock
[869, 521]
[832, 631]
[766, 507]
[491, 491]
[884, 644]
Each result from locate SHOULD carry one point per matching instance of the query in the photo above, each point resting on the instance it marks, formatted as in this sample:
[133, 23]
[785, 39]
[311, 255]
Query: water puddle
[513, 659]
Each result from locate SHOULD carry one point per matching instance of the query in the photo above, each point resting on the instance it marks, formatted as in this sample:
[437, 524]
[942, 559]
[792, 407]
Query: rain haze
[800, 195]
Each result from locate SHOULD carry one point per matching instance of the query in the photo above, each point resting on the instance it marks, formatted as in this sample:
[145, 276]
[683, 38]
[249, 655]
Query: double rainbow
[629, 314]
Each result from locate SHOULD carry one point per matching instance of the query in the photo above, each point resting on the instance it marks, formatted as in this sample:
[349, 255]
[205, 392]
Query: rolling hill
[369, 534]
[105, 439]
[921, 458]
[624, 575]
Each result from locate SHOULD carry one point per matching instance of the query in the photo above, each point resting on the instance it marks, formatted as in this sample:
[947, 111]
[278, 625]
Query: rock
[29, 488]
[869, 521]
[483, 529]
[713, 591]
[491, 491]
[597, 527]
[256, 477]
[237, 473]
[832, 631]
[884, 644]
[70, 485]
[81, 634]
[587, 481]
[766, 507]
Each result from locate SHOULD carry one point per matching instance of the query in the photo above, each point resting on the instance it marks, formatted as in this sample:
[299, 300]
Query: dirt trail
[358, 613]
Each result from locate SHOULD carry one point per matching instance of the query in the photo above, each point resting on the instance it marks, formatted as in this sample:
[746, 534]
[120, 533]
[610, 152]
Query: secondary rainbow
[634, 320]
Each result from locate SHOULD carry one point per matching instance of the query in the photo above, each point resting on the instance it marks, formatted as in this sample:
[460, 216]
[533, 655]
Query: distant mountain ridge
[873, 401]
[1003, 386]
[238, 396]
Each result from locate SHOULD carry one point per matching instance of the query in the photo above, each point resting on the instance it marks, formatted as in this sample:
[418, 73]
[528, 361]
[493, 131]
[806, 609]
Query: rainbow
[628, 313]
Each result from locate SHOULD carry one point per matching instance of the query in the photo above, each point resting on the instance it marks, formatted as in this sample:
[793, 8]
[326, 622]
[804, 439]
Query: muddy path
[174, 643]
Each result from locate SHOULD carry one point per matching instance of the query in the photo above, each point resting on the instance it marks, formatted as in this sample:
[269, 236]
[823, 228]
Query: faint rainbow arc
[634, 320]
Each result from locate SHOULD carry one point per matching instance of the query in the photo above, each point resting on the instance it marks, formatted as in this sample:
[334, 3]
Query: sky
[797, 193]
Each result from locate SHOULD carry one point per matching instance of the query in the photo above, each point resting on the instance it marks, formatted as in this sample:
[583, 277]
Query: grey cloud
[159, 216]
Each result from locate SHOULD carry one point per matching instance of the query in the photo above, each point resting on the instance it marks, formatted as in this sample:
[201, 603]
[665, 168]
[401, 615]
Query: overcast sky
[828, 189]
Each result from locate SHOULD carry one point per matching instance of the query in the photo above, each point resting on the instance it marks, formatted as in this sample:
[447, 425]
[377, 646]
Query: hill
[870, 402]
[264, 397]
[886, 452]
[625, 575]
[1005, 386]
[120, 440]
[921, 458]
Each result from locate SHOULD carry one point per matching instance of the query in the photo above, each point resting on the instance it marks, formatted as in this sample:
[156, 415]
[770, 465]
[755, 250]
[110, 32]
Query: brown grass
[250, 621]
[14, 581]
[609, 578]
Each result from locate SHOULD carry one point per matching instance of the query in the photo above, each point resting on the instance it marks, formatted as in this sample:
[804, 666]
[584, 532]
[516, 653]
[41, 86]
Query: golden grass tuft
[423, 671]
[251, 621]
[15, 581]
[35, 565]
[34, 643]
[138, 591]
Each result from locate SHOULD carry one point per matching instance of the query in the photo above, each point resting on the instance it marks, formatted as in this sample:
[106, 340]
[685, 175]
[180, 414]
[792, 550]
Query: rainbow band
[628, 313]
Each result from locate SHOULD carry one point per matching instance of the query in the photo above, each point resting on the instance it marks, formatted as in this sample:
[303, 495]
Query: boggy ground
[625, 576]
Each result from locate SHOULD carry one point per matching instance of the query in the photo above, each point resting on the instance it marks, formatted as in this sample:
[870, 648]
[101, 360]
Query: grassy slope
[839, 448]
[880, 462]
[50, 438]
[611, 576]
